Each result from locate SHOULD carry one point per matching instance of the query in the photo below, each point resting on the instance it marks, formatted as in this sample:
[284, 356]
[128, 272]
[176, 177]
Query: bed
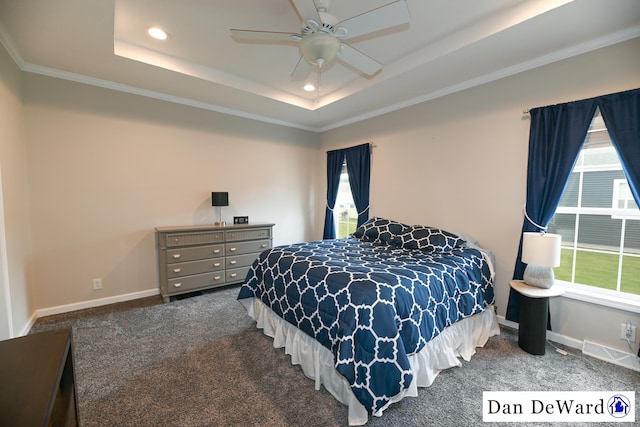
[374, 316]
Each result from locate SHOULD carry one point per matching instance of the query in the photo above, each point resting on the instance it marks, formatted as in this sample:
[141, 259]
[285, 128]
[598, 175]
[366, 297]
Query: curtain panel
[556, 136]
[359, 169]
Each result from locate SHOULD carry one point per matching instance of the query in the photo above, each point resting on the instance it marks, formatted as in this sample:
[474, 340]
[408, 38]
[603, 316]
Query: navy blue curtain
[621, 114]
[555, 140]
[359, 170]
[334, 168]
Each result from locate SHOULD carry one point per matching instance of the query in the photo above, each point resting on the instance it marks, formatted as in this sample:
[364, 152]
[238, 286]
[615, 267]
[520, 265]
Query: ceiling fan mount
[323, 37]
[323, 5]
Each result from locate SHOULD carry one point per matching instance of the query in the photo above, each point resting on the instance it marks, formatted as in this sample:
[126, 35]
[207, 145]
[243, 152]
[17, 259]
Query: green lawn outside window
[600, 270]
[345, 228]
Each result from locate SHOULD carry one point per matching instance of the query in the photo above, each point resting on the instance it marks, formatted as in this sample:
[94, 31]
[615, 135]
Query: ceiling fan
[323, 36]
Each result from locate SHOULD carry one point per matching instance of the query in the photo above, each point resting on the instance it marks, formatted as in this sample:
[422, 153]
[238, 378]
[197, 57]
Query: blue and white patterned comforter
[371, 305]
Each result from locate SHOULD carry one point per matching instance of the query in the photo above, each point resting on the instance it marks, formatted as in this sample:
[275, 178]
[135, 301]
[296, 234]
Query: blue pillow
[379, 230]
[428, 239]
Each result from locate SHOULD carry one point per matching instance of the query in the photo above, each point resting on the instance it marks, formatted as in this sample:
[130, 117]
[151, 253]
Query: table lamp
[541, 252]
[219, 199]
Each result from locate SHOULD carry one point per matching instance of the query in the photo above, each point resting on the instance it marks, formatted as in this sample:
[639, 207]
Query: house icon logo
[618, 406]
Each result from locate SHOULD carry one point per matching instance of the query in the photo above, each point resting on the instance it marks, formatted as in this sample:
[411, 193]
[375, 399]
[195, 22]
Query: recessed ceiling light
[157, 33]
[309, 87]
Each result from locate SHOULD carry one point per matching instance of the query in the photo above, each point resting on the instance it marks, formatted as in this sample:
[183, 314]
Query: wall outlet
[628, 332]
[97, 284]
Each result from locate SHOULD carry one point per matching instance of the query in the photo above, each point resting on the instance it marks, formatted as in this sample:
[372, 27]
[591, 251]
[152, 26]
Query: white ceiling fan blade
[359, 60]
[307, 10]
[396, 13]
[270, 36]
[302, 70]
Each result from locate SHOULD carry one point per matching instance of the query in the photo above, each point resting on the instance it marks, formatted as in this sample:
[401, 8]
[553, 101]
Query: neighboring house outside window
[599, 221]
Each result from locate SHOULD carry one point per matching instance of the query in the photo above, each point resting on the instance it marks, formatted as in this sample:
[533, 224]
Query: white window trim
[604, 297]
[620, 213]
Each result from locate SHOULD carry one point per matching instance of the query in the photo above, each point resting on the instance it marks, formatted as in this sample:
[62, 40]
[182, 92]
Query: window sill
[578, 292]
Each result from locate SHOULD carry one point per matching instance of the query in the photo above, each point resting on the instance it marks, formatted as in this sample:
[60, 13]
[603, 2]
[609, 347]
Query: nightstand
[534, 309]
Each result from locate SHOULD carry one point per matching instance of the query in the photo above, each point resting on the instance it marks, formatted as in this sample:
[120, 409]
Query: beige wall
[15, 295]
[460, 162]
[106, 167]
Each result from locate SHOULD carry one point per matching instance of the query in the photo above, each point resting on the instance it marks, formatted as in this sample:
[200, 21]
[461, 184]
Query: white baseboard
[598, 351]
[25, 330]
[95, 303]
[565, 340]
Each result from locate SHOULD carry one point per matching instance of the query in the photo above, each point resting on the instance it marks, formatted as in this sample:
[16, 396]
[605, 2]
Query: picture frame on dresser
[199, 257]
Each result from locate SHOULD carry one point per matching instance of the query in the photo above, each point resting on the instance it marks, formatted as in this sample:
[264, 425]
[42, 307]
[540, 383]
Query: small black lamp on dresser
[219, 199]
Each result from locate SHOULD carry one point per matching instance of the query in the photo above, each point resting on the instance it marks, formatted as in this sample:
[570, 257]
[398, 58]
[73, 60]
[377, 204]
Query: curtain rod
[526, 110]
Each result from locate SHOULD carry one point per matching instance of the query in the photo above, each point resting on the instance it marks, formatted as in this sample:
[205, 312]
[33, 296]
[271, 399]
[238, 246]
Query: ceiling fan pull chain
[319, 82]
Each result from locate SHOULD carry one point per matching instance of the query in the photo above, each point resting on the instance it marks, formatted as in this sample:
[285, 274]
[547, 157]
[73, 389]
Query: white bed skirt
[316, 361]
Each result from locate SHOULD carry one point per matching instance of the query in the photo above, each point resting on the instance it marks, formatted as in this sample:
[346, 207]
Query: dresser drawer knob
[177, 270]
[233, 262]
[234, 274]
[216, 264]
[217, 278]
[176, 256]
[216, 251]
[232, 249]
[177, 285]
[264, 245]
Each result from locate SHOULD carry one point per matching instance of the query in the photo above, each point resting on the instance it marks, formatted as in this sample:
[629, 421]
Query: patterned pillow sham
[379, 230]
[428, 239]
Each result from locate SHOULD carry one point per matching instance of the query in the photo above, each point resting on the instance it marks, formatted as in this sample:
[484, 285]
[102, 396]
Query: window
[345, 212]
[598, 220]
[347, 168]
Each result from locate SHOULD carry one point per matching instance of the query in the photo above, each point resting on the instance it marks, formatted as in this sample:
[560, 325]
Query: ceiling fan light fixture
[319, 48]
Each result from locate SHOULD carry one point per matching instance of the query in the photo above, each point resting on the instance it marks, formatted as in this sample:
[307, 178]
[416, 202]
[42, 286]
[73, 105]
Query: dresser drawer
[192, 254]
[235, 261]
[237, 274]
[247, 247]
[252, 234]
[194, 267]
[197, 281]
[198, 238]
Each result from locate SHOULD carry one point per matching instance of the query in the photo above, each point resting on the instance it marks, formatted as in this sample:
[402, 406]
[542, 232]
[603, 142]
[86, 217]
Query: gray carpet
[200, 361]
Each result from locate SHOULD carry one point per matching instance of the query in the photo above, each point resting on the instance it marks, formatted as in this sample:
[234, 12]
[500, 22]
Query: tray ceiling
[446, 47]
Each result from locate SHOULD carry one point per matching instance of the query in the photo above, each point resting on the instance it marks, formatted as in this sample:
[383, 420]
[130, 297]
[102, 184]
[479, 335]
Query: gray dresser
[192, 258]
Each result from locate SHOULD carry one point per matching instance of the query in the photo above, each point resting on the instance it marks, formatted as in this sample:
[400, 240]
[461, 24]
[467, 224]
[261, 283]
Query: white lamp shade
[542, 249]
